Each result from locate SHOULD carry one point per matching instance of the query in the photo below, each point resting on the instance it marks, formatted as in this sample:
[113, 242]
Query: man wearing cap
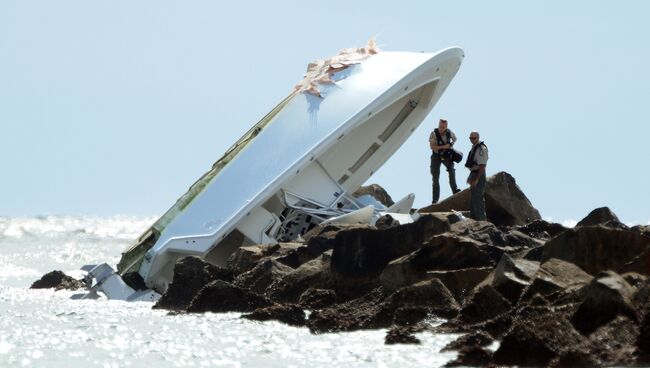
[476, 162]
[441, 140]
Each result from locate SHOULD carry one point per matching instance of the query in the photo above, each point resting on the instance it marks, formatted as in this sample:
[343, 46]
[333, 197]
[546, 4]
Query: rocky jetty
[57, 280]
[549, 295]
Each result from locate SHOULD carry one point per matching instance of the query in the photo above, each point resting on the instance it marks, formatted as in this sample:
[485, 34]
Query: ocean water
[44, 328]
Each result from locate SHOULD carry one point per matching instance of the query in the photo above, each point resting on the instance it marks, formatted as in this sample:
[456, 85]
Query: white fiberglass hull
[311, 150]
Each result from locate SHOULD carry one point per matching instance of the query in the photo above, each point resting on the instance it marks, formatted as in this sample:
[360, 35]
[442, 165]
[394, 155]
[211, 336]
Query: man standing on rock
[441, 140]
[476, 162]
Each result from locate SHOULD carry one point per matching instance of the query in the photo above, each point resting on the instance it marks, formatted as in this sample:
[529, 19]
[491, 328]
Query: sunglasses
[473, 138]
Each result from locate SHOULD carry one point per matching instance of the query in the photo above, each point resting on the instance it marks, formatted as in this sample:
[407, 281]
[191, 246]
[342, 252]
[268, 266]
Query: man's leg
[452, 176]
[477, 204]
[435, 176]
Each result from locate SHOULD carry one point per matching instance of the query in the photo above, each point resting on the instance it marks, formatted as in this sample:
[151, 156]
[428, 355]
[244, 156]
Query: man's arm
[480, 171]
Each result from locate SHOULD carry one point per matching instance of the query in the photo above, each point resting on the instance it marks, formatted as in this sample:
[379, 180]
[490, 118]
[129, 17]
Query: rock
[642, 294]
[536, 341]
[431, 294]
[317, 298]
[262, 275]
[505, 203]
[475, 338]
[410, 315]
[481, 231]
[471, 356]
[573, 358]
[461, 282]
[57, 280]
[356, 314]
[510, 277]
[614, 344]
[134, 280]
[599, 216]
[441, 252]
[635, 280]
[191, 274]
[386, 222]
[360, 255]
[534, 254]
[376, 191]
[313, 274]
[247, 257]
[541, 229]
[288, 313]
[496, 327]
[639, 264]
[596, 248]
[401, 335]
[485, 303]
[407, 306]
[318, 241]
[642, 229]
[608, 295]
[643, 340]
[219, 296]
[555, 275]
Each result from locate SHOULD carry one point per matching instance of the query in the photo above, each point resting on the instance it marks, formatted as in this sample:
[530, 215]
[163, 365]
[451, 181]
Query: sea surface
[44, 328]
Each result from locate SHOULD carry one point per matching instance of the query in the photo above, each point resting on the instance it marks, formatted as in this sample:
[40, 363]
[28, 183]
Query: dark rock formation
[431, 295]
[639, 264]
[614, 344]
[190, 275]
[541, 229]
[386, 222]
[356, 314]
[505, 203]
[643, 340]
[57, 280]
[554, 276]
[476, 338]
[461, 282]
[485, 232]
[247, 257]
[537, 340]
[401, 335]
[485, 303]
[313, 274]
[471, 356]
[134, 280]
[376, 191]
[360, 255]
[260, 277]
[574, 358]
[221, 296]
[317, 298]
[599, 216]
[290, 314]
[596, 248]
[511, 276]
[441, 252]
[411, 315]
[534, 254]
[607, 296]
[407, 306]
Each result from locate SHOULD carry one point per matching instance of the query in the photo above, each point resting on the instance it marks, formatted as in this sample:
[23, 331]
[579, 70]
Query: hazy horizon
[117, 108]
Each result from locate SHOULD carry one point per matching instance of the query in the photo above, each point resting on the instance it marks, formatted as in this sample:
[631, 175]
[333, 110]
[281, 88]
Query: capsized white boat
[296, 167]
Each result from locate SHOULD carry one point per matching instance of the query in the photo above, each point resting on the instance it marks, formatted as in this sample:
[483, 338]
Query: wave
[123, 227]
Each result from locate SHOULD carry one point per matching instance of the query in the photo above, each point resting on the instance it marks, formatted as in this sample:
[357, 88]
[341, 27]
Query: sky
[118, 107]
